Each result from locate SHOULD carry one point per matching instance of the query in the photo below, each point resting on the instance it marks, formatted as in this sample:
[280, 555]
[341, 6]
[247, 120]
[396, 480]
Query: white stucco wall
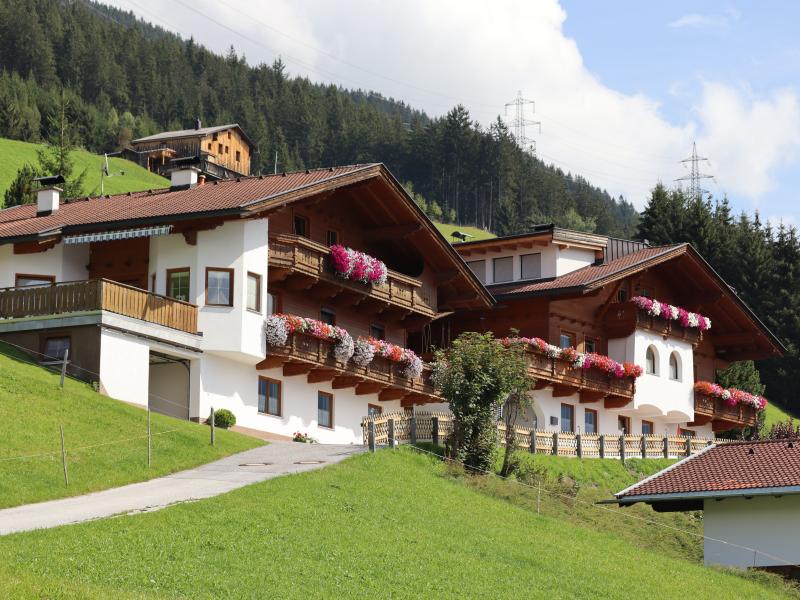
[65, 263]
[555, 261]
[124, 367]
[765, 523]
[233, 385]
[572, 259]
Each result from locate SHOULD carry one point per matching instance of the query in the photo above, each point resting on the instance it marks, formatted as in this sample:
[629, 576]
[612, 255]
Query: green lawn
[775, 414]
[15, 154]
[478, 234]
[32, 406]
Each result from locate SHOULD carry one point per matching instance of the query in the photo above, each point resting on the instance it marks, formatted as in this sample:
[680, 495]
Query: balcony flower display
[669, 312]
[278, 327]
[411, 364]
[578, 360]
[363, 352]
[357, 266]
[731, 396]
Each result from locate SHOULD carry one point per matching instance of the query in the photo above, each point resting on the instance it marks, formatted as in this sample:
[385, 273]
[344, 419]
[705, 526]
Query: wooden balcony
[622, 319]
[310, 356]
[95, 295]
[304, 264]
[722, 416]
[590, 384]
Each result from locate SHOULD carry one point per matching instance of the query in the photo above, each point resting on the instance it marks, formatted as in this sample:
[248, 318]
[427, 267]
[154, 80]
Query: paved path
[205, 481]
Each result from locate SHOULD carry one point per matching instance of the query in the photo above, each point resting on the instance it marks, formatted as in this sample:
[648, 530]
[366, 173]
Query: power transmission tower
[520, 121]
[695, 176]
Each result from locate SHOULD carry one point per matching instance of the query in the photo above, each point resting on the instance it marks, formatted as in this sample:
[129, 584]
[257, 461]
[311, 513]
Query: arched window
[651, 366]
[674, 367]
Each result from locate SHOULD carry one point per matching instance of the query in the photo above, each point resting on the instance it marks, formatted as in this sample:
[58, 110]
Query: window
[503, 269]
[377, 331]
[622, 295]
[238, 156]
[325, 409]
[209, 146]
[214, 137]
[479, 268]
[254, 292]
[178, 283]
[332, 237]
[25, 280]
[567, 417]
[650, 361]
[531, 266]
[227, 150]
[219, 148]
[566, 340]
[229, 135]
[373, 410]
[686, 432]
[273, 304]
[328, 315]
[55, 347]
[647, 427]
[219, 287]
[269, 396]
[590, 421]
[301, 225]
[624, 424]
[589, 344]
[674, 368]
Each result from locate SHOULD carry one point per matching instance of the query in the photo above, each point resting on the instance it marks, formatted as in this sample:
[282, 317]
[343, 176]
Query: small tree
[22, 189]
[476, 375]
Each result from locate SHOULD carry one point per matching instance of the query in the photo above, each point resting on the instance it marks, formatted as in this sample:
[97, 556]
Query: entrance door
[125, 261]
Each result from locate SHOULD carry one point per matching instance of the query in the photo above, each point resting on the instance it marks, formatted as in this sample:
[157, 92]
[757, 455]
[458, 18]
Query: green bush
[224, 418]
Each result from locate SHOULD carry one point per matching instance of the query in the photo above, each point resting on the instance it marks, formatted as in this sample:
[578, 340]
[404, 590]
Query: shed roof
[187, 133]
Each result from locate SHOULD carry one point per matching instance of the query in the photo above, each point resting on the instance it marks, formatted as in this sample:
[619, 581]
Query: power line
[695, 177]
[520, 121]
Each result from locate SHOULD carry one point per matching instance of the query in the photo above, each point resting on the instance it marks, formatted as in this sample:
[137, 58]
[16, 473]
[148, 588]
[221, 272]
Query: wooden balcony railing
[722, 416]
[307, 355]
[293, 254]
[97, 294]
[622, 319]
[591, 384]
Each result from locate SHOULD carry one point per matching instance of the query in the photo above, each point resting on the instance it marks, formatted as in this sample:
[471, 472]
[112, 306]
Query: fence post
[149, 439]
[435, 430]
[371, 435]
[213, 426]
[413, 430]
[666, 447]
[643, 443]
[578, 445]
[555, 444]
[392, 441]
[532, 443]
[64, 455]
[622, 448]
[64, 366]
[688, 446]
[602, 443]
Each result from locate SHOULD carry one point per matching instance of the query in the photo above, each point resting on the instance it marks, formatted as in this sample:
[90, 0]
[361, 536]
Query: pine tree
[55, 158]
[22, 189]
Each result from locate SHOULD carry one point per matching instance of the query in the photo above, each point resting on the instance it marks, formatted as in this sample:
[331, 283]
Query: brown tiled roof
[592, 275]
[727, 468]
[220, 197]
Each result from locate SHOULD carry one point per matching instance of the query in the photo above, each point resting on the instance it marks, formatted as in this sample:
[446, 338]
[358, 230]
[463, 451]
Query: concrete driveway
[212, 479]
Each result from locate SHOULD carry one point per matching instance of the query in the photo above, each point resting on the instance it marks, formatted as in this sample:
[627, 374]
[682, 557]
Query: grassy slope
[775, 414]
[447, 230]
[32, 406]
[390, 524]
[15, 154]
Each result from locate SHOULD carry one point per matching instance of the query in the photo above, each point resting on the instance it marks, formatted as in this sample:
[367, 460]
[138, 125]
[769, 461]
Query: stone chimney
[48, 196]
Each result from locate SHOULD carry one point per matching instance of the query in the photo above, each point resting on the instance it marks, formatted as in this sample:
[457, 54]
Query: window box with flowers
[357, 266]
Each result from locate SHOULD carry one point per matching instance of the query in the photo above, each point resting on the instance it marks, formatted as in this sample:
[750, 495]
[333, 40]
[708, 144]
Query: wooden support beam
[277, 274]
[590, 396]
[700, 420]
[616, 402]
[540, 384]
[391, 394]
[271, 362]
[369, 387]
[301, 283]
[412, 399]
[292, 369]
[190, 237]
[561, 391]
[34, 247]
[612, 297]
[345, 381]
[319, 375]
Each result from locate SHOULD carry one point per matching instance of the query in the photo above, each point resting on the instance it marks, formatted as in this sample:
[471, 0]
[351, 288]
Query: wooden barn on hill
[222, 151]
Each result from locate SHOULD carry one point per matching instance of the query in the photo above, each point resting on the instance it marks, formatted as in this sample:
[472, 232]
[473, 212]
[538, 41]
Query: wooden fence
[425, 426]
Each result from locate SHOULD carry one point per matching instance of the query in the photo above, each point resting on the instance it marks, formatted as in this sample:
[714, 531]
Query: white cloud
[707, 21]
[436, 54]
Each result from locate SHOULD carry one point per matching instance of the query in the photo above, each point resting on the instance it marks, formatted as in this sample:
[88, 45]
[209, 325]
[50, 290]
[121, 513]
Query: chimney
[183, 178]
[198, 123]
[48, 196]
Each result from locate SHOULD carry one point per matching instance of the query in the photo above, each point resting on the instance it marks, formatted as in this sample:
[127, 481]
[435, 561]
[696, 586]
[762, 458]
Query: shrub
[224, 418]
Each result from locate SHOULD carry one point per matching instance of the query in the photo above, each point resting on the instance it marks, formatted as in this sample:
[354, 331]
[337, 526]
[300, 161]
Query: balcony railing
[307, 355]
[293, 254]
[593, 384]
[622, 319]
[93, 295]
[721, 415]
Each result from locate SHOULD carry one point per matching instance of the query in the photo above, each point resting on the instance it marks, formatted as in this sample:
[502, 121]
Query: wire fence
[540, 489]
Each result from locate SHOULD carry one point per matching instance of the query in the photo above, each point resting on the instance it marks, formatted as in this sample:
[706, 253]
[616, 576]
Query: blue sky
[622, 88]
